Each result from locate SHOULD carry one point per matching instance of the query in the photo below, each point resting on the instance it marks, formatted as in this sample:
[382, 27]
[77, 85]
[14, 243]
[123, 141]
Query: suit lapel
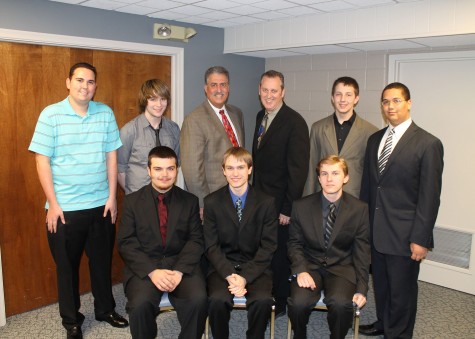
[406, 137]
[150, 208]
[213, 118]
[174, 210]
[341, 219]
[317, 219]
[250, 207]
[352, 137]
[228, 207]
[278, 123]
[330, 134]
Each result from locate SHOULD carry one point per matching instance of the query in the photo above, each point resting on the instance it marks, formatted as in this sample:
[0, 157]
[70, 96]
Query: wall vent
[451, 247]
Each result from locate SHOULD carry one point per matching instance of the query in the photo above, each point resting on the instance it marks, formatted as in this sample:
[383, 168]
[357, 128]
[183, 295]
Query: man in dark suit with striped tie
[329, 250]
[402, 180]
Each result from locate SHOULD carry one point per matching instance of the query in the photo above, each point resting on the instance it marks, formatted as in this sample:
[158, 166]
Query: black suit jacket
[250, 244]
[281, 161]
[348, 254]
[139, 239]
[404, 200]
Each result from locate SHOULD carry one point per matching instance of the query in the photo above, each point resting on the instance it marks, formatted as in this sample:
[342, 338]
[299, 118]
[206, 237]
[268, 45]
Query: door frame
[177, 78]
[176, 54]
[450, 276]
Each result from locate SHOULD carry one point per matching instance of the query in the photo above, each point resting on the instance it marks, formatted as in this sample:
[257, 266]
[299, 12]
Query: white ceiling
[227, 13]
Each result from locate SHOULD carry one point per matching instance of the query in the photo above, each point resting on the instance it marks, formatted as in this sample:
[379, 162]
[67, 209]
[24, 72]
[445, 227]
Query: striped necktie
[386, 152]
[329, 225]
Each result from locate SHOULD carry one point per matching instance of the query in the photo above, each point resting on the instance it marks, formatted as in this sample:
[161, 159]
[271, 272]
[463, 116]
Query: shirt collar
[235, 197]
[350, 121]
[276, 110]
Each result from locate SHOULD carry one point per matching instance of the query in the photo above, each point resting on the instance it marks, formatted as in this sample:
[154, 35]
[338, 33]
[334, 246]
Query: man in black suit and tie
[280, 152]
[329, 250]
[402, 181]
[161, 241]
[240, 230]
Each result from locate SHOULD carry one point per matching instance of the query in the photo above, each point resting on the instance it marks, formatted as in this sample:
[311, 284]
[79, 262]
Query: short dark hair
[397, 85]
[150, 89]
[216, 69]
[332, 160]
[82, 65]
[162, 152]
[274, 74]
[347, 81]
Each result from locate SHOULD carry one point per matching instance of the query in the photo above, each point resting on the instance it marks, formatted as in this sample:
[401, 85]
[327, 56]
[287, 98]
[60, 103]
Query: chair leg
[272, 323]
[356, 323]
[206, 334]
[289, 329]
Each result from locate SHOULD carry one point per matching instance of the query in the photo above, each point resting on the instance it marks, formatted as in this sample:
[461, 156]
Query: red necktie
[228, 128]
[163, 216]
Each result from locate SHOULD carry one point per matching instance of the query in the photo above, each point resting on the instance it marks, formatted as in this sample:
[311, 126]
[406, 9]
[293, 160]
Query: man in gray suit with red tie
[207, 132]
[240, 230]
[402, 181]
[329, 250]
[161, 242]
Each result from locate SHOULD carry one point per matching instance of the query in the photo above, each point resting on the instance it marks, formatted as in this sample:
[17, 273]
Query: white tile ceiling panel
[192, 10]
[246, 10]
[383, 45]
[103, 4]
[274, 4]
[325, 49]
[332, 6]
[273, 15]
[134, 9]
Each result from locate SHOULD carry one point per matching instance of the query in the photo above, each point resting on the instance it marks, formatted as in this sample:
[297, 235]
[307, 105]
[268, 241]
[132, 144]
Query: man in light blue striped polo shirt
[76, 142]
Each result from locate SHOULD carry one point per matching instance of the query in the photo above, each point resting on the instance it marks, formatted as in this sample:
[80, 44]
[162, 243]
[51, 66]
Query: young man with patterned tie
[240, 230]
[329, 251]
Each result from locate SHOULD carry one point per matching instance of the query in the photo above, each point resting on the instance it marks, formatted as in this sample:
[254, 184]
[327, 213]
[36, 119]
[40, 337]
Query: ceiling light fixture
[169, 32]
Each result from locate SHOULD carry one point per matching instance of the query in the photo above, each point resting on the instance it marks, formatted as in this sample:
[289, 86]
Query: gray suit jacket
[323, 143]
[203, 141]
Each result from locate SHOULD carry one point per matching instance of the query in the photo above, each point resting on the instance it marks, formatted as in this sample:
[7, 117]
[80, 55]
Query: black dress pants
[84, 230]
[281, 266]
[339, 294]
[395, 290]
[258, 304]
[189, 300]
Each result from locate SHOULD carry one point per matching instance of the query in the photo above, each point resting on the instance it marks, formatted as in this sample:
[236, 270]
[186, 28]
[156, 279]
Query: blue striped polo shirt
[77, 148]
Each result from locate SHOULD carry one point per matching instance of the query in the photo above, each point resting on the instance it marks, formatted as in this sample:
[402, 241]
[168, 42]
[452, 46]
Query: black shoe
[74, 333]
[370, 330]
[115, 320]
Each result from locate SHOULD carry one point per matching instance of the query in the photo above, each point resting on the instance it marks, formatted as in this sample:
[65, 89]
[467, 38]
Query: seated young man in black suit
[329, 250]
[161, 241]
[240, 230]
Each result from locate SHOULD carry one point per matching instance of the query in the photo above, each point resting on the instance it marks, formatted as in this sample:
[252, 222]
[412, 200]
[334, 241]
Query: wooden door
[32, 77]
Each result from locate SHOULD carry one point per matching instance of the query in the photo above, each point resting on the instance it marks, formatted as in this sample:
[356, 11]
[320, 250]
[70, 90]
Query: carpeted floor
[442, 314]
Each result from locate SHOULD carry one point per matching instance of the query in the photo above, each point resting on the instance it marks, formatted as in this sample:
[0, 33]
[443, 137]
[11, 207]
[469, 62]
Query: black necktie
[329, 225]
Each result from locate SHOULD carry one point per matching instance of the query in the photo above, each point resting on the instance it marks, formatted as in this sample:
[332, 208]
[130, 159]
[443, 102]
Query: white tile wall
[308, 82]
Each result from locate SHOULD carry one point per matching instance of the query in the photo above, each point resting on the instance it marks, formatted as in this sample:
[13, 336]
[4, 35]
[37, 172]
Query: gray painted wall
[201, 52]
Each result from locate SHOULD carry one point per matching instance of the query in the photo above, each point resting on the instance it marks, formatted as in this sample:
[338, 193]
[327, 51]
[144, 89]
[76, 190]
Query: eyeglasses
[395, 101]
